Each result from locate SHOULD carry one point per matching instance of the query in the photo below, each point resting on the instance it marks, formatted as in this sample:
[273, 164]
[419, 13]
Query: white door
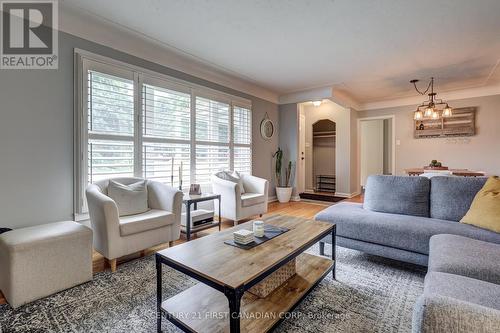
[301, 166]
[372, 148]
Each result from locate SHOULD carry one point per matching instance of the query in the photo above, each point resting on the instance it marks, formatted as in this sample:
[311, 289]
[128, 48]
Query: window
[132, 122]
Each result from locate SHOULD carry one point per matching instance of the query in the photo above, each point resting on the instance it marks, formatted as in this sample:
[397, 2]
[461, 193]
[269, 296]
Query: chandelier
[431, 106]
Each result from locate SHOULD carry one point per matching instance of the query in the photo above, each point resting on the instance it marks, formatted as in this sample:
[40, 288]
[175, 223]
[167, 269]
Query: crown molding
[447, 96]
[86, 25]
[315, 94]
[345, 100]
[338, 96]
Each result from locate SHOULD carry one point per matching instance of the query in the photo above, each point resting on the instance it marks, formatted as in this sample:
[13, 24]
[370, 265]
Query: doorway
[376, 147]
[319, 169]
[323, 153]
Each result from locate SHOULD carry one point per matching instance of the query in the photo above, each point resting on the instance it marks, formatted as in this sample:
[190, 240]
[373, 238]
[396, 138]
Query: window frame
[85, 61]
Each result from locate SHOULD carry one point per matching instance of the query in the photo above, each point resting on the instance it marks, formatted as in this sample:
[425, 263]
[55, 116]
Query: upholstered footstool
[38, 261]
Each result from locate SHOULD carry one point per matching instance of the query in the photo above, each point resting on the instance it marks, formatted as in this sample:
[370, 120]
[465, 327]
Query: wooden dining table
[455, 172]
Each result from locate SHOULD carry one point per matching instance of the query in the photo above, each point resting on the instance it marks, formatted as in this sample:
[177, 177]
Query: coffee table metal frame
[234, 295]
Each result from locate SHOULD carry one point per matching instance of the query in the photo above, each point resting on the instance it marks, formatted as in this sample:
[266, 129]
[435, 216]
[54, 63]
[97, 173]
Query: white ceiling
[368, 49]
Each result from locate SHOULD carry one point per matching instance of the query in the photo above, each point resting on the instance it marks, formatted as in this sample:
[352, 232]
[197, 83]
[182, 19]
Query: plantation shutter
[212, 138]
[166, 129]
[242, 124]
[110, 121]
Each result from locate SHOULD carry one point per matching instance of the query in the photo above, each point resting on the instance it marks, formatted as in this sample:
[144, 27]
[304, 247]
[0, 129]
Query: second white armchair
[240, 202]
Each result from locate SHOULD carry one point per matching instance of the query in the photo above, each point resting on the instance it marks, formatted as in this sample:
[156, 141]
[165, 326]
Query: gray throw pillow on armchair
[131, 199]
[232, 176]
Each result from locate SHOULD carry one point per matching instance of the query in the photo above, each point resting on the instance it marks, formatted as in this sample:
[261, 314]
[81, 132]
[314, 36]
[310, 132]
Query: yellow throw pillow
[484, 211]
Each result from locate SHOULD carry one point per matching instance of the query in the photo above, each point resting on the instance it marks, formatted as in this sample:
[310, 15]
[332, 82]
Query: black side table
[192, 199]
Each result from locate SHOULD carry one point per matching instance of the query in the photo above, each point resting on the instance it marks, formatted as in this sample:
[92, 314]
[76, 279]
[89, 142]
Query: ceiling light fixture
[430, 106]
[316, 103]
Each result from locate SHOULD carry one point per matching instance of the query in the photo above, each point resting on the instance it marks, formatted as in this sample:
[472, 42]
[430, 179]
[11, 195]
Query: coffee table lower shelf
[204, 309]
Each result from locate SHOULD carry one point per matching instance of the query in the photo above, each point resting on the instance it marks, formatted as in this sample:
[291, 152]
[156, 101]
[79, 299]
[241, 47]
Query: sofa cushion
[398, 195]
[463, 288]
[465, 256]
[251, 199]
[149, 220]
[405, 232]
[131, 199]
[451, 197]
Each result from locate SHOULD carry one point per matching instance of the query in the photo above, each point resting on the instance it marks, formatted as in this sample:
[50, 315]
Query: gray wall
[479, 152]
[288, 136]
[36, 135]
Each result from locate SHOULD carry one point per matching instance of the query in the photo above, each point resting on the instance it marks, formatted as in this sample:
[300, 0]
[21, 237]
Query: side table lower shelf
[204, 309]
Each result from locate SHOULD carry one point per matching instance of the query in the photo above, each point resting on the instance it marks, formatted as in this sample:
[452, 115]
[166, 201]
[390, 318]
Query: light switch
[398, 142]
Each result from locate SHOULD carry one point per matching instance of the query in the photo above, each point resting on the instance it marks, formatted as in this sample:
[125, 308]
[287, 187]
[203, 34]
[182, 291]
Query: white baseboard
[347, 195]
[275, 198]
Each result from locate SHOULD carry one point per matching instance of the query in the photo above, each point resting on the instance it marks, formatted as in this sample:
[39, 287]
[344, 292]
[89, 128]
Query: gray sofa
[400, 215]
[461, 288]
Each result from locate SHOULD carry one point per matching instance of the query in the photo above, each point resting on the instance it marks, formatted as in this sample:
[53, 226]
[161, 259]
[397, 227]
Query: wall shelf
[461, 123]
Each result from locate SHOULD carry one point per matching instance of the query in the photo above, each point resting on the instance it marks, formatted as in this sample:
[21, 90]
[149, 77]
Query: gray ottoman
[38, 261]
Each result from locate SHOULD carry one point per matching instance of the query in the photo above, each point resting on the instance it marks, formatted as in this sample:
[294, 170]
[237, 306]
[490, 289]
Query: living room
[288, 166]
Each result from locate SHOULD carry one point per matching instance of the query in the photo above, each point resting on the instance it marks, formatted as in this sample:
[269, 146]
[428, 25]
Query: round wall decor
[266, 128]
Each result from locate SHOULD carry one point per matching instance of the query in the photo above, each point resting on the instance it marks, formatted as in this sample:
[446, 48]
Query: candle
[172, 173]
[258, 228]
[180, 176]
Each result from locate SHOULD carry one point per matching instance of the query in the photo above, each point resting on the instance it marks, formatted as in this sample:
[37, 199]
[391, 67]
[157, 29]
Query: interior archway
[323, 161]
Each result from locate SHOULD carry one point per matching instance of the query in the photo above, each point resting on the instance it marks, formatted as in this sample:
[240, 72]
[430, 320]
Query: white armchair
[116, 236]
[236, 205]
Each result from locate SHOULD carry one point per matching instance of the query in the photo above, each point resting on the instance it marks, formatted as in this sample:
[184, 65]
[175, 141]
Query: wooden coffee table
[220, 302]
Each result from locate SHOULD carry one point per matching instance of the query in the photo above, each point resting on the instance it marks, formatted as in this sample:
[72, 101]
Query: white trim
[318, 202]
[272, 199]
[347, 195]
[81, 23]
[345, 100]
[306, 95]
[358, 152]
[81, 217]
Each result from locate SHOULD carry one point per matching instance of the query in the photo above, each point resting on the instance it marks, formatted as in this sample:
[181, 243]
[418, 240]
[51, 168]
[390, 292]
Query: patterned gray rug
[371, 294]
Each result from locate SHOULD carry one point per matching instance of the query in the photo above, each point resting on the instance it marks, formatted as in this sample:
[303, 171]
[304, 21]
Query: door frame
[393, 162]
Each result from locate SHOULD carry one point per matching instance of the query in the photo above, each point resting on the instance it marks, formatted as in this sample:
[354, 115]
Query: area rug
[370, 294]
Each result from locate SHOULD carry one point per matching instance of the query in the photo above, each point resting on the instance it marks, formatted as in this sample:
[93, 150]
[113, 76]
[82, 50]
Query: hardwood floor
[300, 209]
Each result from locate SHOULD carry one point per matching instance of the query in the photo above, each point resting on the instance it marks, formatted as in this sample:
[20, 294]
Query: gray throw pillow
[232, 176]
[131, 199]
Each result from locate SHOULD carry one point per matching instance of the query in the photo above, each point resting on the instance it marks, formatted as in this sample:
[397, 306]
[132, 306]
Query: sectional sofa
[400, 215]
[416, 219]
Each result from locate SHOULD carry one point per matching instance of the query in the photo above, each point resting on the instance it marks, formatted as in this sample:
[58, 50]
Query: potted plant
[283, 189]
